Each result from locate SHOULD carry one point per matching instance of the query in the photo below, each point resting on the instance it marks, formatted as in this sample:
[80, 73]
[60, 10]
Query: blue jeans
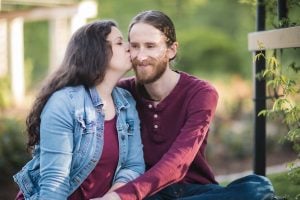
[251, 187]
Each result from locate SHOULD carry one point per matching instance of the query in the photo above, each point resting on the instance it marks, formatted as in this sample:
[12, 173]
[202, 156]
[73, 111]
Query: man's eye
[120, 43]
[150, 46]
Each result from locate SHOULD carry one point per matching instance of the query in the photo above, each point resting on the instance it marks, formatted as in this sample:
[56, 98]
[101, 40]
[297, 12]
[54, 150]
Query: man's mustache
[149, 61]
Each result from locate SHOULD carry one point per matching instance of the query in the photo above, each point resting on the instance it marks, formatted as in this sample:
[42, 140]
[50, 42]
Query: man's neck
[161, 88]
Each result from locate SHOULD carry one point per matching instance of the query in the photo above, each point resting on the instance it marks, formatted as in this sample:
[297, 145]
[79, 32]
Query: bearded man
[176, 110]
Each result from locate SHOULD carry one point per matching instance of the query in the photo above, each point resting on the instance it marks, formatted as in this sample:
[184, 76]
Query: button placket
[155, 122]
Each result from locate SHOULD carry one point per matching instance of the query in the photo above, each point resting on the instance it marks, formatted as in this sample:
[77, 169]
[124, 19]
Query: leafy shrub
[13, 152]
[5, 95]
[205, 49]
[284, 90]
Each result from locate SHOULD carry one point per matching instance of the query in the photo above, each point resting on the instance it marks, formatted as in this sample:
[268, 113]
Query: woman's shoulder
[69, 93]
[66, 96]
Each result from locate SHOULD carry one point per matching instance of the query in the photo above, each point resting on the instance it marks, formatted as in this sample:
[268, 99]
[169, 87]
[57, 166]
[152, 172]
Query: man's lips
[142, 66]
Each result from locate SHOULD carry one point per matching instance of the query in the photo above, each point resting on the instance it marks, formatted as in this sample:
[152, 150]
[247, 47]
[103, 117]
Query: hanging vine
[283, 87]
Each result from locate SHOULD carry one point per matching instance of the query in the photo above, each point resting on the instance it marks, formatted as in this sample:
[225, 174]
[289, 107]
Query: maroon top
[174, 135]
[100, 179]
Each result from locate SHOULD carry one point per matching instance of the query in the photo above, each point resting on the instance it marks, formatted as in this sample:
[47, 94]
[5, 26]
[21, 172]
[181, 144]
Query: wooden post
[16, 55]
[260, 101]
[86, 10]
[3, 47]
[59, 34]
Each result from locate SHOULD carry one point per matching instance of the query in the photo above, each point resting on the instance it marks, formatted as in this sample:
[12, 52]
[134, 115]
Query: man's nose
[141, 55]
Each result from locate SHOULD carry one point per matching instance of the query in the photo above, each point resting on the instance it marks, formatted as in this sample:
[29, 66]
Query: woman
[85, 131]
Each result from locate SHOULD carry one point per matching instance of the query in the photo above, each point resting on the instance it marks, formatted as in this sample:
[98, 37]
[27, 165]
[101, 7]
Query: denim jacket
[71, 143]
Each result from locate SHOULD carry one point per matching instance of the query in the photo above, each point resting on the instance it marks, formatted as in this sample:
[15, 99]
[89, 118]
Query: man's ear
[172, 50]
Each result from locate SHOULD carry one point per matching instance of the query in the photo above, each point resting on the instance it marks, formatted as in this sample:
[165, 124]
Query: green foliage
[5, 95]
[206, 43]
[282, 81]
[36, 52]
[285, 92]
[284, 187]
[272, 13]
[203, 48]
[12, 148]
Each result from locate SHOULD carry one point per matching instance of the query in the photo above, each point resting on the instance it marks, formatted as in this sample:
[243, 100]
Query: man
[176, 110]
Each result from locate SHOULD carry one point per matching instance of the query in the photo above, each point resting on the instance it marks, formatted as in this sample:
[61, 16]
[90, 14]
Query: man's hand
[109, 196]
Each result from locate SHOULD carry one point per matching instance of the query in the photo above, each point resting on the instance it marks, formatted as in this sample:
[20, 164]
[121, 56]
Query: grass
[284, 187]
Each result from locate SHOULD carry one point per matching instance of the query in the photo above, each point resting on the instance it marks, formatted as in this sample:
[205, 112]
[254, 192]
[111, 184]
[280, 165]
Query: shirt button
[155, 126]
[150, 105]
[155, 116]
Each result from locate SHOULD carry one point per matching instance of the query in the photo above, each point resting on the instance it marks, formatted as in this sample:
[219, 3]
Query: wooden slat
[274, 39]
[38, 2]
[42, 13]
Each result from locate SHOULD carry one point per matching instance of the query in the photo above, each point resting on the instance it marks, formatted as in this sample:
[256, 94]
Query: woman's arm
[56, 144]
[134, 165]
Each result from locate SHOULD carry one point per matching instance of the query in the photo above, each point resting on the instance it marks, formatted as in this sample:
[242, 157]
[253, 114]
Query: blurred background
[212, 37]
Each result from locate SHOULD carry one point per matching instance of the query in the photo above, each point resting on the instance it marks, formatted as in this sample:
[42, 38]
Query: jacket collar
[118, 95]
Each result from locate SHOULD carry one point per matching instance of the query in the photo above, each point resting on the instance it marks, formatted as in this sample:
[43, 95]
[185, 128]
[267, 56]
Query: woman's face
[120, 60]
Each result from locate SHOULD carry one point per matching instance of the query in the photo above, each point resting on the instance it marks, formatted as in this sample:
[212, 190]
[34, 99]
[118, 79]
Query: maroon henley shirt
[174, 135]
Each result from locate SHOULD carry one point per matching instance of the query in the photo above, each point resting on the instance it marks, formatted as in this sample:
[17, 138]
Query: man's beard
[158, 66]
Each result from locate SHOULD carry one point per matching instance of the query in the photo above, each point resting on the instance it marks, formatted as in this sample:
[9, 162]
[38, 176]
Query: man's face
[148, 52]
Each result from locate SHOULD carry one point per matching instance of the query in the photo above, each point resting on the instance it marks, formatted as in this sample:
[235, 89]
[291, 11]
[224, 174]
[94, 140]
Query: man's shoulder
[127, 83]
[196, 84]
[199, 90]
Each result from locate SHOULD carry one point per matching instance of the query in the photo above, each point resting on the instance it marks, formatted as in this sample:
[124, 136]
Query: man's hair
[158, 20]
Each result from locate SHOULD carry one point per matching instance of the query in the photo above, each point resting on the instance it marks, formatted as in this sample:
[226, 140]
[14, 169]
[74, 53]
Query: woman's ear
[172, 50]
